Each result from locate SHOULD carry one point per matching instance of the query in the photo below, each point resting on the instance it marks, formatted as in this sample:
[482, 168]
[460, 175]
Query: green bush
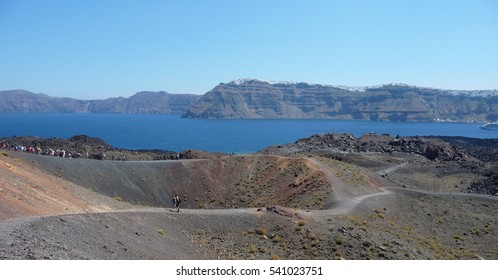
[339, 240]
[261, 231]
[276, 239]
[458, 237]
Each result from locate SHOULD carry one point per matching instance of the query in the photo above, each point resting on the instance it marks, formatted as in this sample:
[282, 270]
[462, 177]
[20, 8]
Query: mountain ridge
[252, 98]
[259, 99]
[484, 92]
[144, 102]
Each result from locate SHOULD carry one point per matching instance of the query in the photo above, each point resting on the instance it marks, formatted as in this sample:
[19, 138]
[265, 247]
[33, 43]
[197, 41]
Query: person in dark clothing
[176, 202]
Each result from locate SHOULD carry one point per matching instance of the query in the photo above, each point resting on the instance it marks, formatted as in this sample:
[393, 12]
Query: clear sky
[108, 48]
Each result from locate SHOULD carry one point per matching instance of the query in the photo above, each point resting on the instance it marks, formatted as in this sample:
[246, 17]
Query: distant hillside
[252, 98]
[147, 102]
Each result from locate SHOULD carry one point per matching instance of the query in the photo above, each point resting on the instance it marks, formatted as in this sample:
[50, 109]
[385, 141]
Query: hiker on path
[176, 202]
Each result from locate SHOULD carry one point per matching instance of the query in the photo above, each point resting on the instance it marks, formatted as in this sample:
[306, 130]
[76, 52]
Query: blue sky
[100, 49]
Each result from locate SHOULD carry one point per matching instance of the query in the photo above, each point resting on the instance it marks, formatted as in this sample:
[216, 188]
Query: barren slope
[29, 191]
[225, 182]
[350, 208]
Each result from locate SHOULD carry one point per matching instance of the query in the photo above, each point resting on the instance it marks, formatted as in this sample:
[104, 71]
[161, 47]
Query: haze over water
[170, 132]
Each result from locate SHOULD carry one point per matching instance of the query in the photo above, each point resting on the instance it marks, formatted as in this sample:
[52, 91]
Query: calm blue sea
[170, 132]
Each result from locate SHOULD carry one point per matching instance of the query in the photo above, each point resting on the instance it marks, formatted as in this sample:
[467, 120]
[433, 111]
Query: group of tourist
[49, 151]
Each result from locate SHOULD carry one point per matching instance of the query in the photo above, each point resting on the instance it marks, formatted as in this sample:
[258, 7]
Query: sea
[172, 133]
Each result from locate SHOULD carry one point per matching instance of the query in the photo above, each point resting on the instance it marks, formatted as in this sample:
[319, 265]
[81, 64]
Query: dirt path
[420, 192]
[392, 169]
[414, 191]
[343, 202]
[220, 211]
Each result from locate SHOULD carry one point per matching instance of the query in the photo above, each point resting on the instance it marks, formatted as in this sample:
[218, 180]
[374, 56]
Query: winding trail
[343, 202]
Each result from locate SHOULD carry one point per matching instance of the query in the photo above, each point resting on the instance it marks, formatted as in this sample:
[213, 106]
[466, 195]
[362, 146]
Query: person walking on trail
[176, 203]
[173, 200]
[178, 200]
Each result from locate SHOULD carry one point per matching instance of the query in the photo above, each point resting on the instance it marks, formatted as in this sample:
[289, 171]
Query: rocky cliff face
[147, 102]
[253, 98]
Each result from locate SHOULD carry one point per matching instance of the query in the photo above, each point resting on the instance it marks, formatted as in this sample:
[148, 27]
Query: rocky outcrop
[485, 150]
[255, 99]
[431, 148]
[147, 102]
[487, 186]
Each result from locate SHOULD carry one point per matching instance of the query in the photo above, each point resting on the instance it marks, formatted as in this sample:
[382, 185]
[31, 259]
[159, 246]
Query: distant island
[258, 99]
[146, 102]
